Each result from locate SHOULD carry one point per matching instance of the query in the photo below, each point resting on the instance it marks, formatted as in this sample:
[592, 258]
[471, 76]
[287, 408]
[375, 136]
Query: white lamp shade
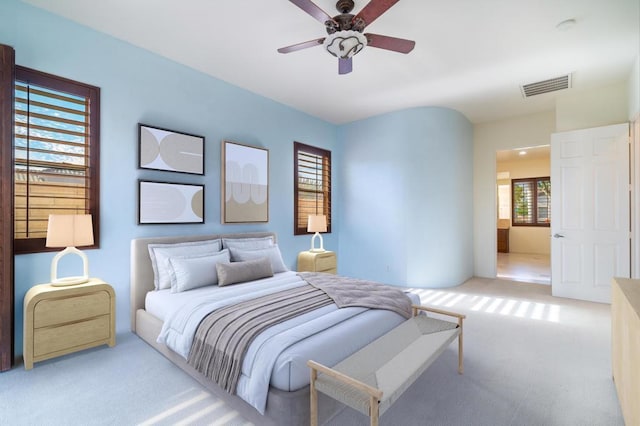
[69, 230]
[317, 223]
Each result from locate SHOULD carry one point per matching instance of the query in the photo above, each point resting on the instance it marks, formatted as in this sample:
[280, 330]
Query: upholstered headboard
[142, 271]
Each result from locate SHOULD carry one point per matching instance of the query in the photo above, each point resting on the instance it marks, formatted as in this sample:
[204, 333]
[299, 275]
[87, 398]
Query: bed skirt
[283, 408]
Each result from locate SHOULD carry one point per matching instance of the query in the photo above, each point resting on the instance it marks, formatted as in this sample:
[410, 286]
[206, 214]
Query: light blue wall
[407, 209]
[138, 86]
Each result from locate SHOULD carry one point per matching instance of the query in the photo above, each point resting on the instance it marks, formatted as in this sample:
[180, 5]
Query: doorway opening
[523, 193]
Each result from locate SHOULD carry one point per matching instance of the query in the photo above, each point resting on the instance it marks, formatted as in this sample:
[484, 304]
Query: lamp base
[66, 281]
[313, 248]
[60, 282]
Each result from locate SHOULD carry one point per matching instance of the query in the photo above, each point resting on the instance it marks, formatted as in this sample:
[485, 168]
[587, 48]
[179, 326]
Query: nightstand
[62, 320]
[318, 261]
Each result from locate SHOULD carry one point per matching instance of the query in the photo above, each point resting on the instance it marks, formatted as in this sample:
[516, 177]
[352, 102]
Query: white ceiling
[470, 55]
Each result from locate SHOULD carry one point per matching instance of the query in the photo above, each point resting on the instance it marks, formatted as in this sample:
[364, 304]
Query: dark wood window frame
[92, 94]
[322, 178]
[534, 203]
[7, 70]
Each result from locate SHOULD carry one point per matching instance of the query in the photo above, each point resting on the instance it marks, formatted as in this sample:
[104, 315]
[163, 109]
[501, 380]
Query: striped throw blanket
[223, 337]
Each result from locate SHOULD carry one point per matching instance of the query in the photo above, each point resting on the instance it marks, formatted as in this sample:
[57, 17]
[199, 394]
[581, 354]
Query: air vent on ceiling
[546, 86]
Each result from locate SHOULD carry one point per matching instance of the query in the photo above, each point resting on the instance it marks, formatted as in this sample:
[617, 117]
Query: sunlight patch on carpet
[490, 305]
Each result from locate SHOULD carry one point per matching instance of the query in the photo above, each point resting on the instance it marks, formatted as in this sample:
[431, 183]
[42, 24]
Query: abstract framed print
[165, 202]
[245, 183]
[168, 150]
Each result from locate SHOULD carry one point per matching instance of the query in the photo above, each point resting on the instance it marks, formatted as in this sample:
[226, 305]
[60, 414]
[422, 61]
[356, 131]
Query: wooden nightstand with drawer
[62, 320]
[318, 261]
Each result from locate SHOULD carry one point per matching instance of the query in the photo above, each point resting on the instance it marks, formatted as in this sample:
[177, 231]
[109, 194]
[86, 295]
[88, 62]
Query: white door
[590, 228]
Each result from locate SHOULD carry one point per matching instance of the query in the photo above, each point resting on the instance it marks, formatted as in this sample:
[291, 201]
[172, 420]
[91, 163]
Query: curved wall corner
[406, 198]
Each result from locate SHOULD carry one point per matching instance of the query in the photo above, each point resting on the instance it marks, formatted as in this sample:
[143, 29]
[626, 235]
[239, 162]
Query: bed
[286, 385]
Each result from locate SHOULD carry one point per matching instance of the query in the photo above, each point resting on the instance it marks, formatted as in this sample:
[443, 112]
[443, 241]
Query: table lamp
[69, 230]
[317, 223]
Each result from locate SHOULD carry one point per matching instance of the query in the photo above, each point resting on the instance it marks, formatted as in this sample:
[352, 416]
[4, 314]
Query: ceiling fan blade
[373, 10]
[390, 43]
[345, 66]
[300, 46]
[312, 9]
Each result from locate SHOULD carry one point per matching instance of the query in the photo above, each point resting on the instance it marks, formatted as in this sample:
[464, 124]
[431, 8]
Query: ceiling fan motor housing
[344, 6]
[344, 21]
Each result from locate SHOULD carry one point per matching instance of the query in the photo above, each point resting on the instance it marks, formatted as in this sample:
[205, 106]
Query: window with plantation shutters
[312, 185]
[531, 200]
[56, 154]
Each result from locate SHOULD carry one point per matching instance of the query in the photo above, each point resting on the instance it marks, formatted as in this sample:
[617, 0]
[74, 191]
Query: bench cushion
[391, 363]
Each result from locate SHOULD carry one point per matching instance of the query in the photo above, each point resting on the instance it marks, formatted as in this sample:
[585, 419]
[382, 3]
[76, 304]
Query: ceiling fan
[345, 37]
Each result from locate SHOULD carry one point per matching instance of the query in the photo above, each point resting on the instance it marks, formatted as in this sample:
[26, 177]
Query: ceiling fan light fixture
[345, 44]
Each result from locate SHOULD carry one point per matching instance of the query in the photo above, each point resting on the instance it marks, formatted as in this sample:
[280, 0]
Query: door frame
[634, 156]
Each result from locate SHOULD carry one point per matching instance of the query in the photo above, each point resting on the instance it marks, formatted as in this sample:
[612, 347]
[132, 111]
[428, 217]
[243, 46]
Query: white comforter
[181, 323]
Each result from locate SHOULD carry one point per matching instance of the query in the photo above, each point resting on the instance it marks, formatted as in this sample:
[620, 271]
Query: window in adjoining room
[56, 154]
[531, 202]
[311, 185]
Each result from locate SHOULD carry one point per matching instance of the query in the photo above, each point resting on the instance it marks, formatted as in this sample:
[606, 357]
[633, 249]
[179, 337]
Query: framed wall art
[164, 202]
[168, 150]
[245, 183]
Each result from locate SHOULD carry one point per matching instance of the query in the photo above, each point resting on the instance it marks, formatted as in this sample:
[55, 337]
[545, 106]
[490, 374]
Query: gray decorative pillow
[239, 272]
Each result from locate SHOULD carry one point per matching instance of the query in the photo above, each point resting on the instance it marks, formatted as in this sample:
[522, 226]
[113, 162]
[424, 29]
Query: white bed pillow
[160, 254]
[239, 272]
[247, 243]
[272, 253]
[196, 271]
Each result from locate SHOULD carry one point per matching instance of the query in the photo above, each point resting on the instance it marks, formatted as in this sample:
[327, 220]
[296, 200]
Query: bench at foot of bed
[374, 377]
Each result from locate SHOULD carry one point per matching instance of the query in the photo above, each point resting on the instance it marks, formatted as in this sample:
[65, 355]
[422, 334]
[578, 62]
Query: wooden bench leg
[460, 349]
[313, 398]
[374, 410]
